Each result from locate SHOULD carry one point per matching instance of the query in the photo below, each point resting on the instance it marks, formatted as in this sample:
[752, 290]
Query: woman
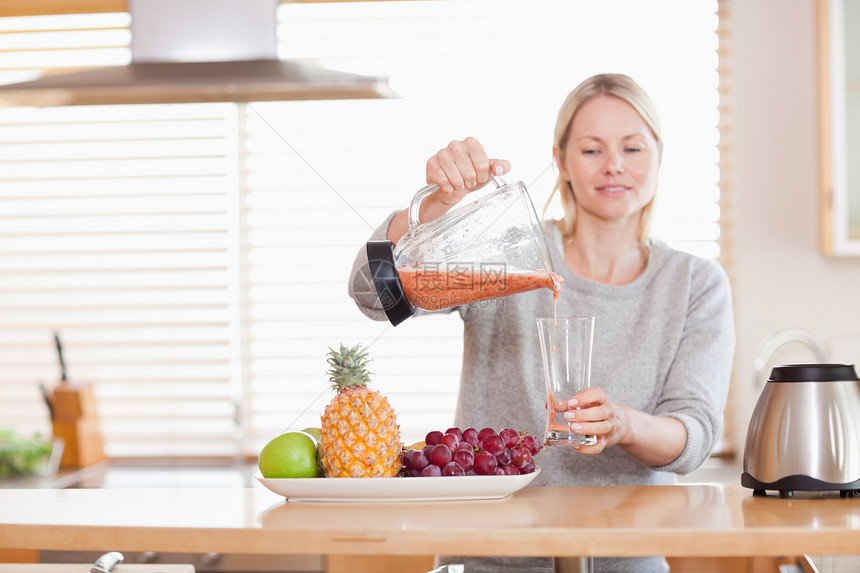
[664, 335]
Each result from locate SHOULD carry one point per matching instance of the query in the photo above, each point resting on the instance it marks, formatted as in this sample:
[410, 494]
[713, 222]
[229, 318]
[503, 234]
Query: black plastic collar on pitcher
[380, 256]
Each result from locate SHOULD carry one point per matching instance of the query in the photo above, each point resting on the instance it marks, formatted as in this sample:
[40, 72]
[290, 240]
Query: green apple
[315, 432]
[290, 455]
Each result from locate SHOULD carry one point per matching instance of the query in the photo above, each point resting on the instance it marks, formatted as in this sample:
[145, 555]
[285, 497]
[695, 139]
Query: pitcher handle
[415, 205]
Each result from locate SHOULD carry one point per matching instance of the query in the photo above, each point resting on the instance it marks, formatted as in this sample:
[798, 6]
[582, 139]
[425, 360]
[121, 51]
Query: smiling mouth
[613, 189]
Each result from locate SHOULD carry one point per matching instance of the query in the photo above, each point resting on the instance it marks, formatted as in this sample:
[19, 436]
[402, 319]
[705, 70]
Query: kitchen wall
[781, 278]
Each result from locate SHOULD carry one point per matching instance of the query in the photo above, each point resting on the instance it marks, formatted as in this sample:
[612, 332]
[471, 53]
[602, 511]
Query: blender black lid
[380, 256]
[813, 373]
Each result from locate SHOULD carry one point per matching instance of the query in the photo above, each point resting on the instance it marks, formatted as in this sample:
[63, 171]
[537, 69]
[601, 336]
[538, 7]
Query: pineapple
[360, 435]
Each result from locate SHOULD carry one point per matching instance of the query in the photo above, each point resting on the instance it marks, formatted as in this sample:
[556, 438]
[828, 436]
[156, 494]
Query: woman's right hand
[458, 169]
[462, 167]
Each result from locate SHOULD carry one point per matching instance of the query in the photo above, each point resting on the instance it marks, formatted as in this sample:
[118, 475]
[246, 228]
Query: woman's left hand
[653, 440]
[593, 413]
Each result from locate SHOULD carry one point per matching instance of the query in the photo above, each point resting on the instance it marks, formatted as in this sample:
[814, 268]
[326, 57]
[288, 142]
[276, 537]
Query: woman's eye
[633, 149]
[590, 151]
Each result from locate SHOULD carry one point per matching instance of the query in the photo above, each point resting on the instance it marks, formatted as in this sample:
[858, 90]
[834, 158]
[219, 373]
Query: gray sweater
[663, 344]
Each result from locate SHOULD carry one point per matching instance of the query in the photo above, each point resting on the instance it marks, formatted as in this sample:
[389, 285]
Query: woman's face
[611, 160]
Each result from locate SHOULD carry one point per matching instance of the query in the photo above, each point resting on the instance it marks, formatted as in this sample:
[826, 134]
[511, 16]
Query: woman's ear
[558, 157]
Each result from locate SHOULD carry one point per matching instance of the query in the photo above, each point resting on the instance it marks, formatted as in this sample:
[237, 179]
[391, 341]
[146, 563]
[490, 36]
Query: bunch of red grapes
[471, 452]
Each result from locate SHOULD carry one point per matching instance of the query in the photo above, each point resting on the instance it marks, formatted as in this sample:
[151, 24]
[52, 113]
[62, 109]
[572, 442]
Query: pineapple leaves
[348, 367]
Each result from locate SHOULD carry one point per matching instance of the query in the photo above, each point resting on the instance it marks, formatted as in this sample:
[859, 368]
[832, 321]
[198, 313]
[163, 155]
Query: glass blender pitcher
[485, 247]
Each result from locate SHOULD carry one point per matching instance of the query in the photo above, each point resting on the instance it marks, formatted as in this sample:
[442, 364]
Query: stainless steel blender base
[788, 485]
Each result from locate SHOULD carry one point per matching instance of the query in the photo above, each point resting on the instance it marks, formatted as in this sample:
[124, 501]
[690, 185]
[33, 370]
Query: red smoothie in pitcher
[432, 288]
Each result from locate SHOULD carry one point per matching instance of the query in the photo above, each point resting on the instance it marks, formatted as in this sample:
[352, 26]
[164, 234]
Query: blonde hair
[616, 85]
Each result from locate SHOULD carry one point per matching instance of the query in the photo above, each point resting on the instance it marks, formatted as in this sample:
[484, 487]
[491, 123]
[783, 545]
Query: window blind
[194, 257]
[116, 233]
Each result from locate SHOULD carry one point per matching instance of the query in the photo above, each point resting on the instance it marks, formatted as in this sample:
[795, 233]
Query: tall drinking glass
[566, 344]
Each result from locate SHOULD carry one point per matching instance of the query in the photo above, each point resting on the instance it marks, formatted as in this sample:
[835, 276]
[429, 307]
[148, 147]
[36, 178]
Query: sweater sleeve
[698, 380]
[360, 283]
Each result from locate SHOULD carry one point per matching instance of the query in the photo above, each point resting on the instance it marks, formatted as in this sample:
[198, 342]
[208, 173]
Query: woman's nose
[614, 163]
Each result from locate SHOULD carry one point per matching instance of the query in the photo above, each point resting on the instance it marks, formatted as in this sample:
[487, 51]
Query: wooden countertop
[683, 520]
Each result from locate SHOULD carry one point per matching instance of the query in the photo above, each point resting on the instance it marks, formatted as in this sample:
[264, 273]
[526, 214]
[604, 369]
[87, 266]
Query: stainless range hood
[251, 80]
[198, 51]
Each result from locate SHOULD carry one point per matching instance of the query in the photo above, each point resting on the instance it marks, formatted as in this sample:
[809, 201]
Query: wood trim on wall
[825, 183]
[10, 8]
[727, 449]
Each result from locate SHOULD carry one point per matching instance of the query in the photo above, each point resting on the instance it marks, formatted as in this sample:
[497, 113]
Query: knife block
[76, 422]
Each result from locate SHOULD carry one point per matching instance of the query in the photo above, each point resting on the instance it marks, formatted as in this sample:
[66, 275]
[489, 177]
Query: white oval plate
[451, 488]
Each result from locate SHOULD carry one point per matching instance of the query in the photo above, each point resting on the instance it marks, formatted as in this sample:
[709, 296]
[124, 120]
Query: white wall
[782, 279]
